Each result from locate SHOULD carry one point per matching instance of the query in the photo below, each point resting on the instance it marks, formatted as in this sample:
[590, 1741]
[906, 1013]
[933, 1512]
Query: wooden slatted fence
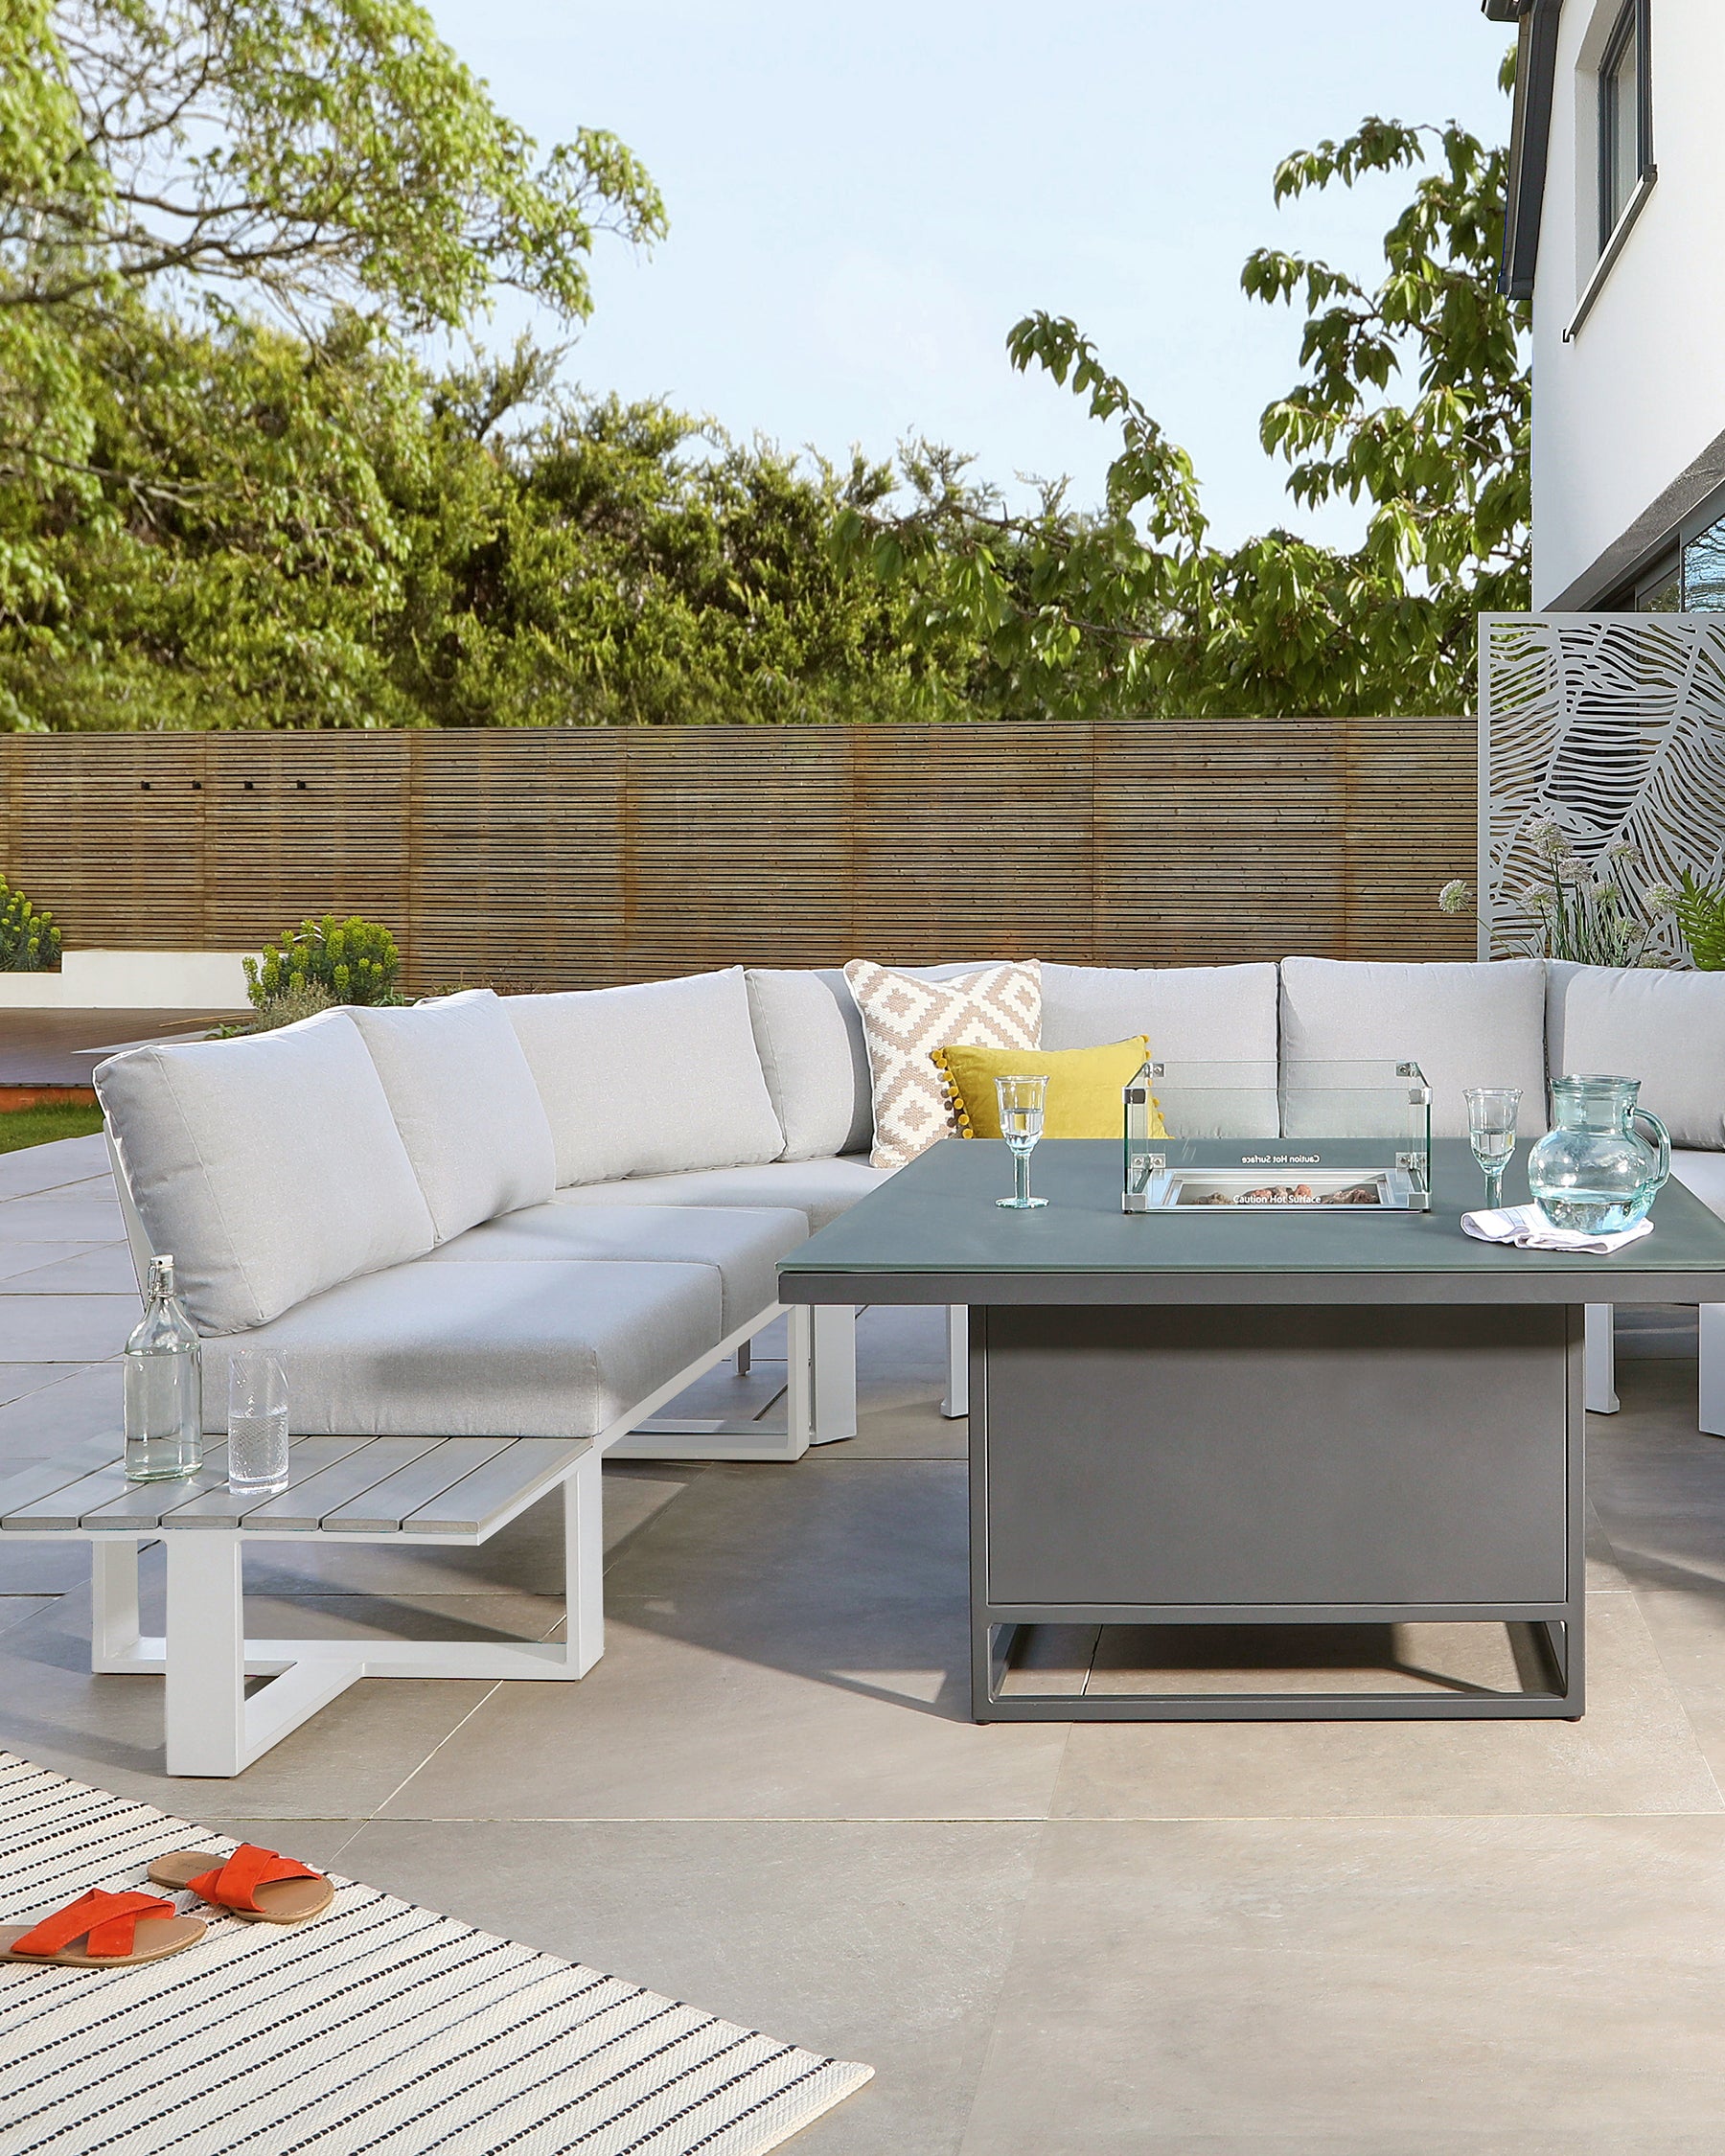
[583, 856]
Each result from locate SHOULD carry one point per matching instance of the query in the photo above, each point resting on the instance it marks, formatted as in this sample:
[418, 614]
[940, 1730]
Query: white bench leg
[1601, 1360]
[206, 1655]
[113, 1604]
[1713, 1369]
[957, 1392]
[584, 1563]
[833, 1340]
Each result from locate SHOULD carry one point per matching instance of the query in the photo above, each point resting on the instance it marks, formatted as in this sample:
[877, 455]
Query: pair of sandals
[107, 1931]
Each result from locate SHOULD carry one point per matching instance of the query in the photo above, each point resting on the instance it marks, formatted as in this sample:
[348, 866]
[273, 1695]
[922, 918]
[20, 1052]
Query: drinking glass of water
[257, 1425]
[1022, 1101]
[1491, 1132]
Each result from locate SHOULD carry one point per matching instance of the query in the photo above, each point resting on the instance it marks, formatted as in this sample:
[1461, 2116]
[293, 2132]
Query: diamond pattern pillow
[905, 1018]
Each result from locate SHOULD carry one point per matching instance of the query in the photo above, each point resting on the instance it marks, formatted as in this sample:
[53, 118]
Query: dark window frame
[1635, 22]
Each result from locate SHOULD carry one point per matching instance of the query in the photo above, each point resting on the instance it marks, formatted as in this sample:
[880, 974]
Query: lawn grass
[46, 1121]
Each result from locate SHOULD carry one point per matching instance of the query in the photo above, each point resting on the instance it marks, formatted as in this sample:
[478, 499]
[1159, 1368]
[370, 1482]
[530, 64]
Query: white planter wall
[132, 980]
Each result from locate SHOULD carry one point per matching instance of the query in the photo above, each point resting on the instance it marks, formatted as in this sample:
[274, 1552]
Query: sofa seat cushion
[1668, 1030]
[741, 1244]
[1463, 1025]
[268, 1167]
[466, 1105]
[649, 1080]
[1703, 1172]
[528, 1349]
[820, 1190]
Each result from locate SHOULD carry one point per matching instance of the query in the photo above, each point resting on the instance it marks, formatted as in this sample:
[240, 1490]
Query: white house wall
[1639, 393]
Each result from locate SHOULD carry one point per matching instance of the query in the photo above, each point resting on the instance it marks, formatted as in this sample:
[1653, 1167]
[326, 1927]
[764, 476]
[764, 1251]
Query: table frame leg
[205, 1656]
[955, 1405]
[113, 1605]
[1601, 1359]
[584, 1564]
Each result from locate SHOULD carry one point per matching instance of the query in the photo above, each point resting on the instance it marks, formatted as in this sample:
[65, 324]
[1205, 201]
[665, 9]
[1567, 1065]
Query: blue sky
[862, 201]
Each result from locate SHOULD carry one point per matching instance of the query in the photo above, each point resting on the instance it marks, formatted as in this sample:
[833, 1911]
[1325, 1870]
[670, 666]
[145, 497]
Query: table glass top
[938, 1215]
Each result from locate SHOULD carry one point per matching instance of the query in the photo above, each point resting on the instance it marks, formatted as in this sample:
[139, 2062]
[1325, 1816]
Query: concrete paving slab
[66, 1328]
[1397, 1986]
[882, 1943]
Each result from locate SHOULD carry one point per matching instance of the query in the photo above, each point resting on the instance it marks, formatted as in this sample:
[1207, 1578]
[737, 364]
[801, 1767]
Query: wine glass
[1491, 1132]
[1022, 1101]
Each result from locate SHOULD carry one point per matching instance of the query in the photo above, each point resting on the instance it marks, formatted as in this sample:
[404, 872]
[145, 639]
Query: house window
[1626, 116]
[1704, 571]
[1661, 593]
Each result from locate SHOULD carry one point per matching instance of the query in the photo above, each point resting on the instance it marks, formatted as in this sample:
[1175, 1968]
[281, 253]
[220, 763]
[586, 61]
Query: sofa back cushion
[809, 1032]
[649, 1080]
[1665, 1029]
[1463, 1025]
[270, 1168]
[466, 1105]
[1190, 1014]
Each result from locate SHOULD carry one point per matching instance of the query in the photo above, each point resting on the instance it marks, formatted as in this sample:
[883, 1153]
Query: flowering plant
[1584, 913]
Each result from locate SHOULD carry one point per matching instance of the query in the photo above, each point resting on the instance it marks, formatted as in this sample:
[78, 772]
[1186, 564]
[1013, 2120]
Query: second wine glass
[1491, 1112]
[1022, 1101]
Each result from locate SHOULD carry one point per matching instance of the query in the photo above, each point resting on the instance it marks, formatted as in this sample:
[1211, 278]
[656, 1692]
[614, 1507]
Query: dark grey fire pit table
[1299, 1418]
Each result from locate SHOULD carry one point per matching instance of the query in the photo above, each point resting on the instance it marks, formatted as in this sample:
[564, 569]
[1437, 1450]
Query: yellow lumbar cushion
[1085, 1086]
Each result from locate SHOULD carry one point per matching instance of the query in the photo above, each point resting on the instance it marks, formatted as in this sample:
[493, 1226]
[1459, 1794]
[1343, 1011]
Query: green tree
[1130, 607]
[314, 158]
[292, 532]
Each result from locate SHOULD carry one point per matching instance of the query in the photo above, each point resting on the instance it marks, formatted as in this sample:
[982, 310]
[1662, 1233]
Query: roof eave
[1530, 135]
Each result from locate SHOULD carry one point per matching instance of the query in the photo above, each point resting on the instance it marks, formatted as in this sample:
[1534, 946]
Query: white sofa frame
[1601, 1364]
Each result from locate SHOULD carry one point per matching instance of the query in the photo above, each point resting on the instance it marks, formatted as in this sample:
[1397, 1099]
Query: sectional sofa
[546, 1215]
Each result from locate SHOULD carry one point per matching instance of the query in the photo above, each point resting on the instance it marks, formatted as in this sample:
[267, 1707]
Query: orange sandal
[108, 1925]
[253, 1883]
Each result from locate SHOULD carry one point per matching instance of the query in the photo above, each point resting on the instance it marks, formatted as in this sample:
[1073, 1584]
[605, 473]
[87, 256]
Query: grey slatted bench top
[376, 1486]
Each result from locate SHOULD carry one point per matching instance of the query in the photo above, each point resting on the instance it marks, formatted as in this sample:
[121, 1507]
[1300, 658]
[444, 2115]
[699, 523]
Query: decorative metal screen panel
[1614, 725]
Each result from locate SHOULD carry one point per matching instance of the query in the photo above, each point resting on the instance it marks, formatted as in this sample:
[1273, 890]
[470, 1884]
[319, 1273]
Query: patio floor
[1281, 1939]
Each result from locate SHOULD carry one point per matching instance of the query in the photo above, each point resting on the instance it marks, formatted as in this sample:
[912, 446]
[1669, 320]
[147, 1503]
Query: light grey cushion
[817, 1073]
[1464, 1024]
[1668, 1030]
[809, 1032]
[466, 1105]
[1703, 1172]
[269, 1168]
[819, 1189]
[649, 1080]
[742, 1246]
[1210, 1015]
[530, 1349]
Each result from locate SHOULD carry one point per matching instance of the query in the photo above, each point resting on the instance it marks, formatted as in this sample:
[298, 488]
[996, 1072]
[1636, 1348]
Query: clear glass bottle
[164, 1387]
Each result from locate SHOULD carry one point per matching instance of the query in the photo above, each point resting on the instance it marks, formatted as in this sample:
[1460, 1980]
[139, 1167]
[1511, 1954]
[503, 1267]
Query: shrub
[353, 962]
[29, 941]
[1700, 910]
[303, 1001]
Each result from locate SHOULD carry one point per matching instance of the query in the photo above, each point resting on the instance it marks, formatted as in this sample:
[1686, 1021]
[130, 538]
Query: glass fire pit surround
[1259, 1137]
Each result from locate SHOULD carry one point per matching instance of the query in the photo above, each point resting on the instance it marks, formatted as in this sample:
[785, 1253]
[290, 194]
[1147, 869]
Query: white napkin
[1527, 1228]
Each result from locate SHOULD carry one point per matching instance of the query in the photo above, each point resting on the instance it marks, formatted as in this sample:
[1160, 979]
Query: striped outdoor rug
[380, 2026]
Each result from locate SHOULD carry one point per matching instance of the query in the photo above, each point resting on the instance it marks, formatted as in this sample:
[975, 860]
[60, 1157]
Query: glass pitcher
[1592, 1171]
